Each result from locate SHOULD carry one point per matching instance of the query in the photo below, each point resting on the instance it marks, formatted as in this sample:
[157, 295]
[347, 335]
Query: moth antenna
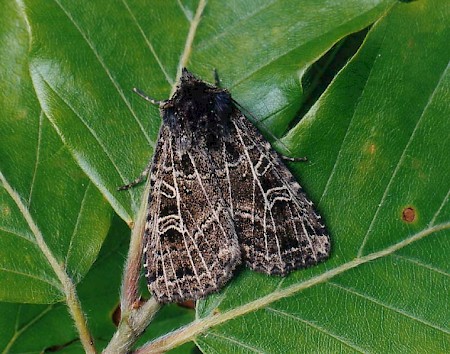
[294, 159]
[287, 158]
[147, 98]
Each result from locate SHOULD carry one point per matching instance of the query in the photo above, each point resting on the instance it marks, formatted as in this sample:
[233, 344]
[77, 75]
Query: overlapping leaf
[375, 141]
[53, 219]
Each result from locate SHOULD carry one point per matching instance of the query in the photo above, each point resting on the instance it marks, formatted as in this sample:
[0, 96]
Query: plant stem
[79, 318]
[68, 287]
[134, 319]
[131, 326]
[130, 280]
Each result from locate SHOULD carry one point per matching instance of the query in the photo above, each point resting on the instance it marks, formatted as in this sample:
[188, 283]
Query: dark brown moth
[220, 196]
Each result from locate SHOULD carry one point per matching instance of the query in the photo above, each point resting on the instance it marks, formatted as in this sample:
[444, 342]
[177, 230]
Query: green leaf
[376, 141]
[53, 219]
[25, 328]
[84, 84]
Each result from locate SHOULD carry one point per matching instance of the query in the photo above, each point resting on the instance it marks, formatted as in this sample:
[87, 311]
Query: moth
[220, 196]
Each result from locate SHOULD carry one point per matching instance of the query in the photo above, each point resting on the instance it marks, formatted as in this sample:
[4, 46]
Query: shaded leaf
[43, 192]
[25, 328]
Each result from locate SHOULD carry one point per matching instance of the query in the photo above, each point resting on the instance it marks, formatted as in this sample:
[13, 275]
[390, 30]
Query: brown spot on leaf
[409, 214]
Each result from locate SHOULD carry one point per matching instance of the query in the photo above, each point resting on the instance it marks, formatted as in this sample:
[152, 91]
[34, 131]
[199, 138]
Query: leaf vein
[75, 229]
[107, 72]
[38, 153]
[397, 167]
[67, 286]
[19, 332]
[212, 40]
[15, 233]
[315, 326]
[420, 264]
[91, 131]
[444, 202]
[32, 276]
[389, 307]
[149, 44]
[236, 341]
[185, 12]
[340, 152]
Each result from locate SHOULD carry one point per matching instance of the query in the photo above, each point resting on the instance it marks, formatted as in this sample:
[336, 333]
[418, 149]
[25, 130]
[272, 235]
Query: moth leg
[144, 173]
[147, 98]
[294, 159]
[138, 180]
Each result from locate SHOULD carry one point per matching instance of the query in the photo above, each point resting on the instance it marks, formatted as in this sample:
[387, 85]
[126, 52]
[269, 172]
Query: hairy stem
[132, 324]
[79, 318]
[134, 318]
[130, 281]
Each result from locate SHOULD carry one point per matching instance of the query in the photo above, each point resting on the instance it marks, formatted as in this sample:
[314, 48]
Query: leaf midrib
[107, 71]
[189, 41]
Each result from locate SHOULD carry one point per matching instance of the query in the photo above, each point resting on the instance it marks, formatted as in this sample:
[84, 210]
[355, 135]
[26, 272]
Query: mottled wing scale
[181, 259]
[220, 195]
[278, 228]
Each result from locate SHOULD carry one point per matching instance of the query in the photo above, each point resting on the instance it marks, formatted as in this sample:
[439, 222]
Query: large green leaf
[35, 328]
[84, 68]
[53, 219]
[378, 140]
[376, 143]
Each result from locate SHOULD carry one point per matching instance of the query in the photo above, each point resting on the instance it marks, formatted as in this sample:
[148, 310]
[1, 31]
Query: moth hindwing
[220, 196]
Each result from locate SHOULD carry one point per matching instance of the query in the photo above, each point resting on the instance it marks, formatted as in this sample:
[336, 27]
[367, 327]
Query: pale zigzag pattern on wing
[220, 195]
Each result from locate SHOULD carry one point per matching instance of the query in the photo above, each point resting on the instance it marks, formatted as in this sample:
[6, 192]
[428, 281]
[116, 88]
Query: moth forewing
[220, 195]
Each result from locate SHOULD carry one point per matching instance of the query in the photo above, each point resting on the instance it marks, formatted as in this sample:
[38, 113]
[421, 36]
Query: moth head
[186, 75]
[196, 99]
